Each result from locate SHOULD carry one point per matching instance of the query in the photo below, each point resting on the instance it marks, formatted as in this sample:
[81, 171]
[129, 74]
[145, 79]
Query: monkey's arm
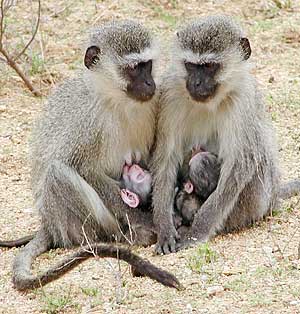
[164, 181]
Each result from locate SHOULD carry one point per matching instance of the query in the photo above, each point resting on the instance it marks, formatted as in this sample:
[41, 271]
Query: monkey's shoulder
[71, 94]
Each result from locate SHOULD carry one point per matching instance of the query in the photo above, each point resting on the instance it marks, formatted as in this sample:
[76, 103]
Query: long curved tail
[18, 242]
[289, 189]
[22, 264]
[24, 280]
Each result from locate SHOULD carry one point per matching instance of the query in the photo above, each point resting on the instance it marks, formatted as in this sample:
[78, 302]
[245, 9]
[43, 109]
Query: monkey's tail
[18, 242]
[22, 276]
[24, 280]
[289, 189]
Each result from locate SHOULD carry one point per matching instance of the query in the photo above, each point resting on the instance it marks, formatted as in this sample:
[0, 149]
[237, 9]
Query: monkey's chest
[202, 135]
[128, 143]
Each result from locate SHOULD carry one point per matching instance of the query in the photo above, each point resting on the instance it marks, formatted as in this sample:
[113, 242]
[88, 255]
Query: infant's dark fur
[203, 174]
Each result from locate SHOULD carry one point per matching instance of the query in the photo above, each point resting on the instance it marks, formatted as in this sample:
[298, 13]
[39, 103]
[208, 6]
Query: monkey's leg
[254, 202]
[72, 211]
[17, 242]
[257, 200]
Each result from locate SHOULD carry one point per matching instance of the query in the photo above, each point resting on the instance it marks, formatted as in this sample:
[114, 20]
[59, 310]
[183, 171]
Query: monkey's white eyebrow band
[151, 53]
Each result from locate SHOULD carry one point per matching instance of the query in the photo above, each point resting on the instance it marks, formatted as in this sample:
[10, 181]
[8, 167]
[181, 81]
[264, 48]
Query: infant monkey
[199, 181]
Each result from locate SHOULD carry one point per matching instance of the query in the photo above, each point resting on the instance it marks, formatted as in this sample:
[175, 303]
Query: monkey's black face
[200, 81]
[141, 85]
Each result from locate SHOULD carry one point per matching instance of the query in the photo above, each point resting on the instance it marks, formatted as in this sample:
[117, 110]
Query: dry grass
[255, 271]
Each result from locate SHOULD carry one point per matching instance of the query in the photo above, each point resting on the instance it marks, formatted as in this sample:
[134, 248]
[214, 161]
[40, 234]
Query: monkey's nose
[150, 83]
[198, 83]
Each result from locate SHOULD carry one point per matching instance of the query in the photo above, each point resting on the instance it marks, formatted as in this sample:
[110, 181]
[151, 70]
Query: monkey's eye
[191, 66]
[133, 70]
[211, 66]
[208, 65]
[134, 66]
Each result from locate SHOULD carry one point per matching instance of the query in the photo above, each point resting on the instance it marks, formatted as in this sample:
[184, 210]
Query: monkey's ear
[91, 56]
[130, 198]
[245, 44]
[189, 187]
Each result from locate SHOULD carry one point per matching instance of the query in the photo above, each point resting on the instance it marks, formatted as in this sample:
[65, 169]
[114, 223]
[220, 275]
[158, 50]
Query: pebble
[295, 302]
[214, 290]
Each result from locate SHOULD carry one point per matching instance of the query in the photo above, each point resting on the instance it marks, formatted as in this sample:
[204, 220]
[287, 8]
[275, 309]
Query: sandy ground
[254, 271]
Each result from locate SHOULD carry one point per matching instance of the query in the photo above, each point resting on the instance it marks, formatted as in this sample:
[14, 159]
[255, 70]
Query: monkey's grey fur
[232, 124]
[88, 125]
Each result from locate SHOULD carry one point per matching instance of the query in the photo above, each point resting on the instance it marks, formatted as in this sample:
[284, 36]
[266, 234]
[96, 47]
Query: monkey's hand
[167, 238]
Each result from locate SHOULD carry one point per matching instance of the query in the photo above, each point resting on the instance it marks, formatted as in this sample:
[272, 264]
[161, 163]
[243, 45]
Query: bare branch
[10, 61]
[4, 7]
[1, 22]
[34, 33]
[123, 234]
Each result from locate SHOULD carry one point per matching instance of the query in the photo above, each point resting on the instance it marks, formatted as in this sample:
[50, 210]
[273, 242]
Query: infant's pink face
[138, 185]
[136, 175]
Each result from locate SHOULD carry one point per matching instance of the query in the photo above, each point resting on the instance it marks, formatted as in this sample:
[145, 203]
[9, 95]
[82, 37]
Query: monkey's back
[52, 136]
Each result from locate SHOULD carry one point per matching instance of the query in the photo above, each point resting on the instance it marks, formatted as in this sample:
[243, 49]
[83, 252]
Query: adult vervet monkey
[210, 99]
[90, 127]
